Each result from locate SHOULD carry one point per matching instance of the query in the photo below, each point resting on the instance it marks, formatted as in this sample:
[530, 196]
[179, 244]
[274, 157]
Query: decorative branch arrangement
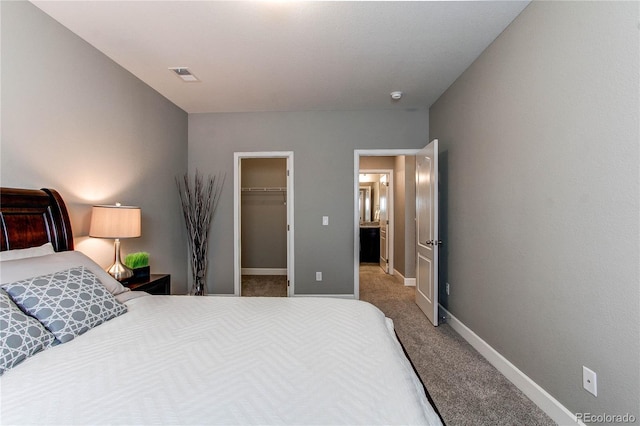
[199, 200]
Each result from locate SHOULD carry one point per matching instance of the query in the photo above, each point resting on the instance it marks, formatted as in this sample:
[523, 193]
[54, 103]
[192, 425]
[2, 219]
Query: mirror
[369, 197]
[364, 204]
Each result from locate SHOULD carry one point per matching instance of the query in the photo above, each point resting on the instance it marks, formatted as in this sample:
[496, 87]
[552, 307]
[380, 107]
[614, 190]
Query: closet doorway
[263, 224]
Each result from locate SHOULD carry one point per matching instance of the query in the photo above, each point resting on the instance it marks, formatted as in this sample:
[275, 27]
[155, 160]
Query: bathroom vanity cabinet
[369, 244]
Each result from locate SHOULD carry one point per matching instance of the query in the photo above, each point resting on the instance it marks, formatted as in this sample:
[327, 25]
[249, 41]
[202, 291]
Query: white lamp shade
[115, 222]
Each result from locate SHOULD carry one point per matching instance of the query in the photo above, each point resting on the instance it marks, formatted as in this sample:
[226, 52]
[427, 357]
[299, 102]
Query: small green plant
[137, 260]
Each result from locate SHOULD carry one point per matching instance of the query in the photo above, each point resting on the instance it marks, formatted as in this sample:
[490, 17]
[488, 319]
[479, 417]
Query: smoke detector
[184, 74]
[396, 95]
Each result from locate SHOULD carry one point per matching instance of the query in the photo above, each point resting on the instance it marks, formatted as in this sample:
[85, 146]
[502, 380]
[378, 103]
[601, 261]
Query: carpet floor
[264, 285]
[465, 388]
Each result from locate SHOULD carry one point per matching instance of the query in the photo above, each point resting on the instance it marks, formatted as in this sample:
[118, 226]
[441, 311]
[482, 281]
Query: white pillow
[15, 270]
[43, 250]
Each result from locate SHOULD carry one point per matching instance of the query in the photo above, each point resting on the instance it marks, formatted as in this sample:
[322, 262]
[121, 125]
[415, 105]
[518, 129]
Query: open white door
[427, 243]
[384, 222]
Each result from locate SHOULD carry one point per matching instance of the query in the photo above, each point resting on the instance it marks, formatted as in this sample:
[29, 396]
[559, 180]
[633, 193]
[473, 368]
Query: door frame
[357, 153]
[390, 215]
[237, 218]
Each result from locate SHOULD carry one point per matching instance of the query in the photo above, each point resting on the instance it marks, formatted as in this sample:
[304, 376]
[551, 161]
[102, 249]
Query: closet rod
[273, 189]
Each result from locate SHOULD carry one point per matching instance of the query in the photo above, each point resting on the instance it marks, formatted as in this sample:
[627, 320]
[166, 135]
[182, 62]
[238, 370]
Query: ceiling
[291, 56]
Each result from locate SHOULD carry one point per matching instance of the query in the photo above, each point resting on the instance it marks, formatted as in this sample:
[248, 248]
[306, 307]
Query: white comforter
[216, 360]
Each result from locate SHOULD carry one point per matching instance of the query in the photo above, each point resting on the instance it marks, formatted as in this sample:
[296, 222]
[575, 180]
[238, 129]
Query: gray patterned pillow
[20, 335]
[68, 302]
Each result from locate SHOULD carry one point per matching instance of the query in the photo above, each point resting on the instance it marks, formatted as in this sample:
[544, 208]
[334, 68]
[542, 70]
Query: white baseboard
[537, 394]
[409, 282]
[264, 271]
[337, 296]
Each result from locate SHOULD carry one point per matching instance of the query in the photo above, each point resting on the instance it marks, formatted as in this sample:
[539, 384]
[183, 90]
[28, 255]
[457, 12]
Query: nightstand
[154, 284]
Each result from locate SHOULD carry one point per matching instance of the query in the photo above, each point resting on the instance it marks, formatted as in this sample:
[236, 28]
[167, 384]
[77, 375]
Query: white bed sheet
[223, 360]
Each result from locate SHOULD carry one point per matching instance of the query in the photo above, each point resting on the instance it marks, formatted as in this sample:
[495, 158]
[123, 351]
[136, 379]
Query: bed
[186, 359]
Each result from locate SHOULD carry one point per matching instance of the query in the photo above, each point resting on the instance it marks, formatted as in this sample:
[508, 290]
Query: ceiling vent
[185, 74]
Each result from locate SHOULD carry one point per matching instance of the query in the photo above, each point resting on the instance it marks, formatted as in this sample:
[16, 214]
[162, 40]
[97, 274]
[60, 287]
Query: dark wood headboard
[32, 217]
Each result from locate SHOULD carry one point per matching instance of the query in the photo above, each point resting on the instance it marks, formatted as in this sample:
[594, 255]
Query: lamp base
[118, 270]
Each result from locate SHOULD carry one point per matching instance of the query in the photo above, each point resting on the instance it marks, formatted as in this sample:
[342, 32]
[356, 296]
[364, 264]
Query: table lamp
[116, 222]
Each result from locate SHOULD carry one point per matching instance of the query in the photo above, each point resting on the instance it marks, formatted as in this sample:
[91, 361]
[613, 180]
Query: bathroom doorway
[376, 216]
[399, 164]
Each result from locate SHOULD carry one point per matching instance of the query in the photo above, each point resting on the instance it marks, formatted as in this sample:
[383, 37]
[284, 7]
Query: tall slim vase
[199, 287]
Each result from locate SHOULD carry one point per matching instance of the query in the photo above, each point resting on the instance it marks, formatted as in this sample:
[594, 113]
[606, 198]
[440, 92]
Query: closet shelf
[271, 189]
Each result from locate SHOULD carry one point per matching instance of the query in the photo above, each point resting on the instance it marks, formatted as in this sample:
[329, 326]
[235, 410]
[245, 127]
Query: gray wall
[399, 211]
[405, 242]
[75, 121]
[378, 162]
[264, 214]
[541, 137]
[323, 144]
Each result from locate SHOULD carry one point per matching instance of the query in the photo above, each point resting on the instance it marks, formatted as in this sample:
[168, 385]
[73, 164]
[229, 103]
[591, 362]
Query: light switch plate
[325, 220]
[318, 276]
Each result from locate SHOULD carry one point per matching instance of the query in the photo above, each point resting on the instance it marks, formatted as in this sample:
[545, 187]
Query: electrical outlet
[589, 381]
[447, 288]
[318, 276]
